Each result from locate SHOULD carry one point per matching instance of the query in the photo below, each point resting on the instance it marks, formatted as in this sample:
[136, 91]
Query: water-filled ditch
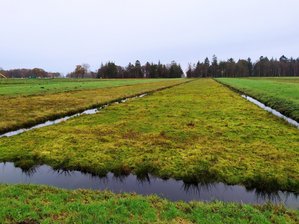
[272, 111]
[86, 112]
[171, 189]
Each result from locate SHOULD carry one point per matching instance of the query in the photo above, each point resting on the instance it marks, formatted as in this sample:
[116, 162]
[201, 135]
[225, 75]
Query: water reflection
[146, 184]
[269, 109]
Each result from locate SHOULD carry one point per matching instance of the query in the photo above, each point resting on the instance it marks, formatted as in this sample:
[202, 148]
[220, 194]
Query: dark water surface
[171, 189]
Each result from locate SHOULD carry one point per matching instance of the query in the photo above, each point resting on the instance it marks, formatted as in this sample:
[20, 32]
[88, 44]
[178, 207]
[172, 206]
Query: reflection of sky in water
[170, 189]
[269, 109]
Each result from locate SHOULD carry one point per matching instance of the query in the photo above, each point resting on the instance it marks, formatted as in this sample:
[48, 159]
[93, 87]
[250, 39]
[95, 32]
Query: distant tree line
[111, 70]
[230, 68]
[149, 70]
[29, 73]
[242, 68]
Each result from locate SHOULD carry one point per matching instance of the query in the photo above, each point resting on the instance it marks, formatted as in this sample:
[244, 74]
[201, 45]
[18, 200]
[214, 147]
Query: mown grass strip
[40, 204]
[27, 87]
[198, 132]
[23, 112]
[281, 94]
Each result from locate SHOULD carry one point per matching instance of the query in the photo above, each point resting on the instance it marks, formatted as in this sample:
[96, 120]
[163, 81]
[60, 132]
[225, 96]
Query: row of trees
[28, 73]
[231, 68]
[111, 70]
[263, 67]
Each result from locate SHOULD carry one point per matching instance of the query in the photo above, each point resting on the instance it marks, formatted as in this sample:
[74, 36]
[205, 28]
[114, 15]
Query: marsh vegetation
[19, 111]
[191, 132]
[198, 131]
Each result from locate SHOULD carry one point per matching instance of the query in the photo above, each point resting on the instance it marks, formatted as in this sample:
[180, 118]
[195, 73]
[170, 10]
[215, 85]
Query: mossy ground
[19, 111]
[199, 132]
[40, 204]
[281, 94]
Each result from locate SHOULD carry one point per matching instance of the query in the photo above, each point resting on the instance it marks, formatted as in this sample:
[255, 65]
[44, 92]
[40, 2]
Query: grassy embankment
[39, 204]
[281, 94]
[199, 132]
[25, 111]
[26, 87]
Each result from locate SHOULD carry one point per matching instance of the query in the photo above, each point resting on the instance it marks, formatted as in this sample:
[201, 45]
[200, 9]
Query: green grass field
[19, 111]
[192, 132]
[39, 204]
[25, 87]
[281, 94]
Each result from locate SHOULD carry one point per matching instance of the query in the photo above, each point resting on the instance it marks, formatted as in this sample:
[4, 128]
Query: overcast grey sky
[58, 34]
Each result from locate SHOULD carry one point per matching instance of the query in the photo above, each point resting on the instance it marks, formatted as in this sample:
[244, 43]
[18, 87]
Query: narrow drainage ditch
[271, 110]
[86, 112]
[171, 189]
